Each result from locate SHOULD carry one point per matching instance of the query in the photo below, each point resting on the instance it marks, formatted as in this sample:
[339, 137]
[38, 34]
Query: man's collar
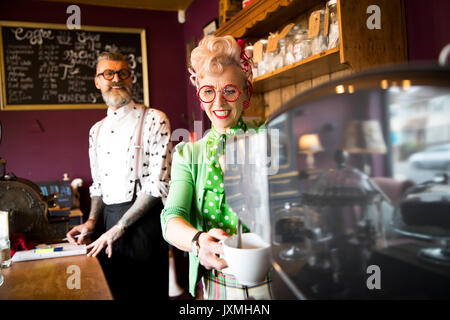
[120, 111]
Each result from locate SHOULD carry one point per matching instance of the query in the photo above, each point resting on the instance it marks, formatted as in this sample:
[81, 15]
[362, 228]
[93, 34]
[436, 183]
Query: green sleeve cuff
[169, 213]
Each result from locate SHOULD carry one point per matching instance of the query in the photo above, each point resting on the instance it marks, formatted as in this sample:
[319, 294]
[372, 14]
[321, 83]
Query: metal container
[424, 212]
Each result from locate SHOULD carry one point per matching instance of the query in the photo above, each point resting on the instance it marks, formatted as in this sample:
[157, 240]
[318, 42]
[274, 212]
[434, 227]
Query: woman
[196, 216]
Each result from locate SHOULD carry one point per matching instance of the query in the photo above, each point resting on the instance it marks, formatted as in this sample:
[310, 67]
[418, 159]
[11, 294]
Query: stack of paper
[54, 251]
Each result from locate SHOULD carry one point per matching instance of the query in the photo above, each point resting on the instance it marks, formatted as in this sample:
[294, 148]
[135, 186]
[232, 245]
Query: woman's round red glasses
[207, 94]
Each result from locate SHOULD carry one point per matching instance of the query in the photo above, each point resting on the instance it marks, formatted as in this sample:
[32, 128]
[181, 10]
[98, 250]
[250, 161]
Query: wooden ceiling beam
[162, 5]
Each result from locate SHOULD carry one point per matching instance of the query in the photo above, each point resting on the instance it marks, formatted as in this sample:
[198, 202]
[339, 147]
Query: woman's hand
[107, 239]
[210, 249]
[88, 226]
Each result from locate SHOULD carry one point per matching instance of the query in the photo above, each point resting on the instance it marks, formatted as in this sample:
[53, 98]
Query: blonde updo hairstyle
[211, 56]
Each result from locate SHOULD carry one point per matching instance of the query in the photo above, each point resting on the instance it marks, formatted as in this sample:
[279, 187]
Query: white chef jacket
[113, 154]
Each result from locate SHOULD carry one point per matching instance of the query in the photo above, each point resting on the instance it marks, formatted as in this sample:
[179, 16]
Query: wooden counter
[48, 279]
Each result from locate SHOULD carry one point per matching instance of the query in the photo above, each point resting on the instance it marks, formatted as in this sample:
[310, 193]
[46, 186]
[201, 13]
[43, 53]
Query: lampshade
[363, 137]
[309, 143]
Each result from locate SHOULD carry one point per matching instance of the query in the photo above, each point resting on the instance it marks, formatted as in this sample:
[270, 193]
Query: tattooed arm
[96, 208]
[140, 207]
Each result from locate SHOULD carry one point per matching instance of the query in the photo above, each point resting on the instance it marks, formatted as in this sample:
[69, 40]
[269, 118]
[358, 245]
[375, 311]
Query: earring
[246, 104]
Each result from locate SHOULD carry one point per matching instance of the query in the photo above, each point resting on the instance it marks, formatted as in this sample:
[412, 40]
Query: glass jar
[302, 46]
[289, 57]
[269, 60]
[290, 38]
[263, 66]
[5, 253]
[291, 34]
[5, 247]
[290, 232]
[279, 55]
[255, 70]
[320, 42]
[333, 33]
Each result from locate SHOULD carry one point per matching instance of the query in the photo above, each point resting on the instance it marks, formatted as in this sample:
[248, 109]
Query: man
[130, 158]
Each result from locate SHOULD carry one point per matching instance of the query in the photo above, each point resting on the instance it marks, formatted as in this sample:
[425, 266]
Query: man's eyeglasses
[108, 74]
[207, 94]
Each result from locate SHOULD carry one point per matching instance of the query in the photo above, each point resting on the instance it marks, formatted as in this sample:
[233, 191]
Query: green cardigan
[188, 176]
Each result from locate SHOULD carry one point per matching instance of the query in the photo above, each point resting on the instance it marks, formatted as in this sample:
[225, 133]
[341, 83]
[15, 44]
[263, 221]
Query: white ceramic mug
[249, 264]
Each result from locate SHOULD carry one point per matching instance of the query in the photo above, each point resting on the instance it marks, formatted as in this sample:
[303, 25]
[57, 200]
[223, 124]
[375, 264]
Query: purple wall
[198, 15]
[62, 143]
[428, 28]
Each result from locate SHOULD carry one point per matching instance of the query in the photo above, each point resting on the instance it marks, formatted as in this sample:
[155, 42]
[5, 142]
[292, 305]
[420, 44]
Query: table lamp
[309, 144]
[363, 137]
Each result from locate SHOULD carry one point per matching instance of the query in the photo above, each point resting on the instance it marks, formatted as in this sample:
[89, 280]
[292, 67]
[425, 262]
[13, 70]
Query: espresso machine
[306, 185]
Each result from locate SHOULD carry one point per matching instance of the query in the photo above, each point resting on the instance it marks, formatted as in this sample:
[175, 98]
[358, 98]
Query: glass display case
[343, 222]
[328, 223]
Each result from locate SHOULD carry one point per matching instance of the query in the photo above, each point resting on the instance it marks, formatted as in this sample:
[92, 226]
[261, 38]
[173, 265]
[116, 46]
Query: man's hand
[107, 239]
[210, 248]
[88, 226]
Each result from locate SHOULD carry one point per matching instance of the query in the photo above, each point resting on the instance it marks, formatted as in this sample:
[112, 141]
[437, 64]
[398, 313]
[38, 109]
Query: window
[420, 132]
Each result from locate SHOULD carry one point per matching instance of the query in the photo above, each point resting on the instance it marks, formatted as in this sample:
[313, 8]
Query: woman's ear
[197, 85]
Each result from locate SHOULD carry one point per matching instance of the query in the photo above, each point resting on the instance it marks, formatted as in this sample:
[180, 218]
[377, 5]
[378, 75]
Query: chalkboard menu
[48, 66]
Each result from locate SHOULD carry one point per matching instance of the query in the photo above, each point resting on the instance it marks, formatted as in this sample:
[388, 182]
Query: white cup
[249, 264]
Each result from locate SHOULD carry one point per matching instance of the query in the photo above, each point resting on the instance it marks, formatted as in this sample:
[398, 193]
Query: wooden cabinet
[359, 47]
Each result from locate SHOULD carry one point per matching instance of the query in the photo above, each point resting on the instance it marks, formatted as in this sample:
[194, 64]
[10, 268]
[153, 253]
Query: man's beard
[117, 98]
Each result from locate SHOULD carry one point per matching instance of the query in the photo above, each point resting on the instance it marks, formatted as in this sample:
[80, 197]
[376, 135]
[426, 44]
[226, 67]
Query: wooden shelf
[360, 47]
[264, 16]
[309, 68]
